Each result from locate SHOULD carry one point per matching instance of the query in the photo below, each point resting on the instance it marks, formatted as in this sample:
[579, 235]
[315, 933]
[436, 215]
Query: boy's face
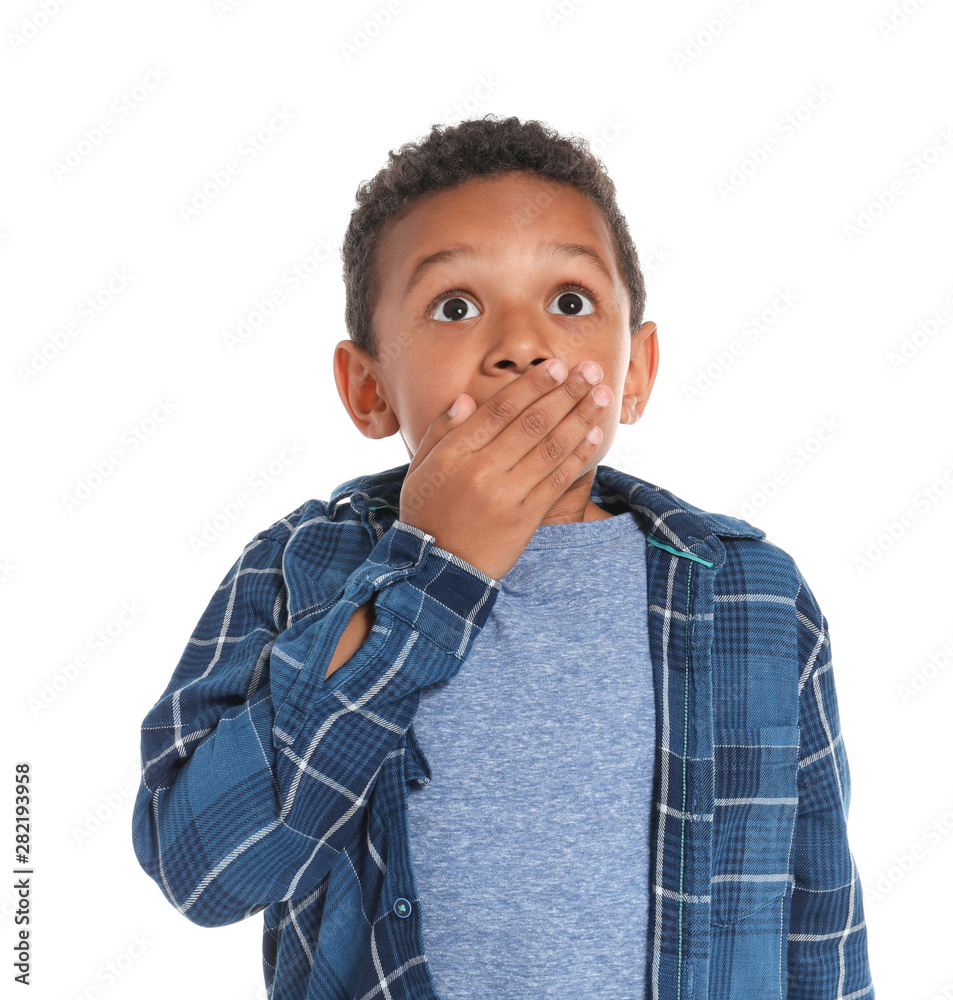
[481, 316]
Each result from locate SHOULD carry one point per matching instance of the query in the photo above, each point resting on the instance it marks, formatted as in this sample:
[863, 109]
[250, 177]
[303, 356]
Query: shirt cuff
[433, 590]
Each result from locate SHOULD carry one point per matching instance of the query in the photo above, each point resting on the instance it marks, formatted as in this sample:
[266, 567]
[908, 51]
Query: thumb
[462, 407]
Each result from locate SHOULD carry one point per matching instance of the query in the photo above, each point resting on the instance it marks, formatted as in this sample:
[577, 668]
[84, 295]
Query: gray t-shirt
[530, 842]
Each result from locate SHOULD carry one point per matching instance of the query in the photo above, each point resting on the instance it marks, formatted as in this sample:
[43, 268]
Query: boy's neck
[594, 513]
[575, 504]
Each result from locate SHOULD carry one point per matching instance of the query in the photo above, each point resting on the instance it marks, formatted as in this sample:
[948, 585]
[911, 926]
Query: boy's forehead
[515, 210]
[516, 202]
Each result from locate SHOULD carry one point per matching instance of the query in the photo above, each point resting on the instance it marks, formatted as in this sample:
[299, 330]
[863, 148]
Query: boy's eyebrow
[549, 251]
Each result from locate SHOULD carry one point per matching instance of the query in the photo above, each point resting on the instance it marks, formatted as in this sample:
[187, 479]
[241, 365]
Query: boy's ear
[643, 367]
[357, 378]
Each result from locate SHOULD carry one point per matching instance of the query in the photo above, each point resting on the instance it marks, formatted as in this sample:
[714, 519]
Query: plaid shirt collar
[670, 522]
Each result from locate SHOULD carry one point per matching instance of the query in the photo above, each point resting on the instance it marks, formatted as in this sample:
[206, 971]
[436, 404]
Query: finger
[532, 432]
[557, 462]
[504, 408]
[441, 425]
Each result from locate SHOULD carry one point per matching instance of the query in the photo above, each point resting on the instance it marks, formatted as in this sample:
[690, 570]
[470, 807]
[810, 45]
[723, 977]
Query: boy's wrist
[433, 590]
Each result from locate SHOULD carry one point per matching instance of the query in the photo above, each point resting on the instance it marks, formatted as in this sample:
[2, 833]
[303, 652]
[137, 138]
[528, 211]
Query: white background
[675, 108]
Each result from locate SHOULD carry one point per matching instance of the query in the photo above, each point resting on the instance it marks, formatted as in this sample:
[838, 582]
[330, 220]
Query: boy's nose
[519, 345]
[522, 368]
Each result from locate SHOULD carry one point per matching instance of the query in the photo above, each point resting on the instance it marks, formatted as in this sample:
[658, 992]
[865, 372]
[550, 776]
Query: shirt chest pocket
[755, 806]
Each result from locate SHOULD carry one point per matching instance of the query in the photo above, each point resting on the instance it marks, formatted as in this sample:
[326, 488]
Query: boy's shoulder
[662, 504]
[349, 503]
[668, 517]
[746, 558]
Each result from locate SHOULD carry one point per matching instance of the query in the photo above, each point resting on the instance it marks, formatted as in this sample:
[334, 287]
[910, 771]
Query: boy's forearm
[353, 636]
[239, 827]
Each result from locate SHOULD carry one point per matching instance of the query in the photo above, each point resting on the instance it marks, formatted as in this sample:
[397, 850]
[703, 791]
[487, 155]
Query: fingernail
[557, 370]
[591, 372]
[452, 412]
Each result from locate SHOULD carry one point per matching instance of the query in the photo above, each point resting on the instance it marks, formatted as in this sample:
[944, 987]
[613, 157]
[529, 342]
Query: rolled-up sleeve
[247, 797]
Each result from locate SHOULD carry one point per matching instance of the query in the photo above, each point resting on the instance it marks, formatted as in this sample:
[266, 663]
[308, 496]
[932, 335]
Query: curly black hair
[450, 155]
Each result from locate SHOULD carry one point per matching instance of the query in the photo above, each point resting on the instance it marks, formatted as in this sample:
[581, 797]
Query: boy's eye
[572, 300]
[572, 304]
[454, 307]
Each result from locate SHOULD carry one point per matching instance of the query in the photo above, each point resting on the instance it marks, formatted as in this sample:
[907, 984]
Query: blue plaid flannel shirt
[267, 787]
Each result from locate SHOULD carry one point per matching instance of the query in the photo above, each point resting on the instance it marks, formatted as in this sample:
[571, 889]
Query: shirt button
[402, 907]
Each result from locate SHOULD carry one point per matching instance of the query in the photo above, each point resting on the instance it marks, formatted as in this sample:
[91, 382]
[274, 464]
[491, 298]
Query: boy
[635, 786]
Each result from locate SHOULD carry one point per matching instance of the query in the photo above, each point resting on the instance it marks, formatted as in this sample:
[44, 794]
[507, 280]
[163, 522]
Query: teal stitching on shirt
[681, 863]
[680, 552]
